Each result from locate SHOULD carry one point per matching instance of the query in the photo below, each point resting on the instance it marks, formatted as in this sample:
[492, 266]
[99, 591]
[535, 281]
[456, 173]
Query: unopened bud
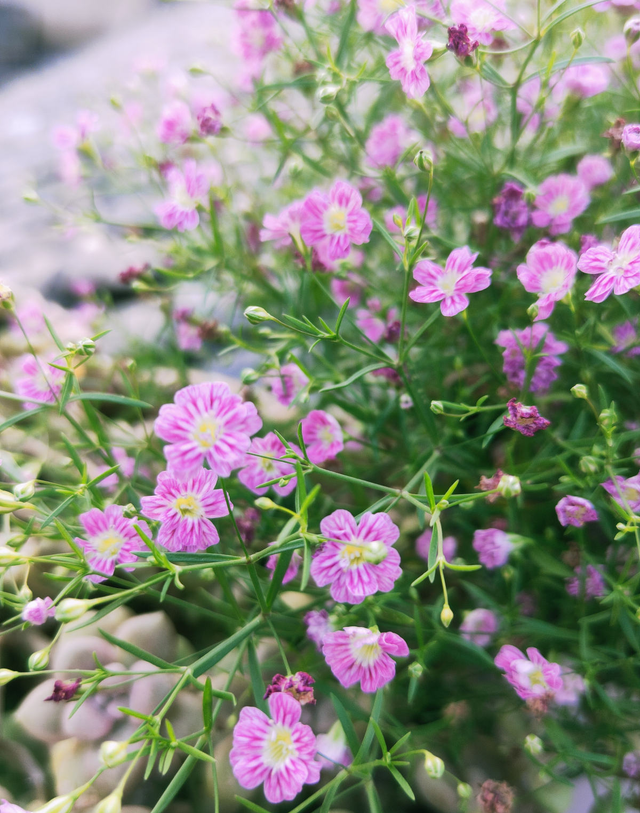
[85, 347]
[424, 160]
[112, 803]
[9, 556]
[264, 503]
[533, 744]
[255, 315]
[326, 94]
[406, 401]
[376, 552]
[464, 790]
[7, 675]
[580, 391]
[509, 486]
[415, 669]
[112, 753]
[577, 37]
[607, 418]
[130, 511]
[24, 491]
[6, 297]
[632, 29]
[446, 616]
[9, 504]
[61, 804]
[588, 464]
[249, 376]
[398, 222]
[30, 196]
[25, 592]
[71, 609]
[38, 660]
[532, 310]
[437, 407]
[433, 765]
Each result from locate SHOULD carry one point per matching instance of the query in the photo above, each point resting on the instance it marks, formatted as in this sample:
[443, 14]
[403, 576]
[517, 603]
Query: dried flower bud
[255, 315]
[433, 765]
[579, 391]
[71, 609]
[39, 660]
[495, 797]
[446, 616]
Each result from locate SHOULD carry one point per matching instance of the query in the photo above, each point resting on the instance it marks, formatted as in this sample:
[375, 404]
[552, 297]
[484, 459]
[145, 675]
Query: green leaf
[111, 397]
[257, 684]
[347, 725]
[217, 653]
[178, 780]
[359, 374]
[28, 413]
[363, 751]
[137, 652]
[250, 805]
[341, 53]
[207, 706]
[406, 787]
[429, 491]
[612, 364]
[489, 73]
[58, 510]
[385, 234]
[284, 560]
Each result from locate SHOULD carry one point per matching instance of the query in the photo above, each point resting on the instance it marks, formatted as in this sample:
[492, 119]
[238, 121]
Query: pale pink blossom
[111, 540]
[263, 463]
[41, 382]
[431, 219]
[423, 545]
[188, 189]
[631, 137]
[175, 123]
[351, 288]
[626, 492]
[586, 80]
[618, 271]
[586, 584]
[524, 419]
[357, 559]
[374, 323]
[38, 611]
[293, 568]
[322, 436]
[284, 226]
[520, 346]
[333, 750]
[126, 469]
[449, 285]
[481, 18]
[479, 107]
[278, 751]
[407, 62]
[256, 33]
[560, 199]
[318, 625]
[575, 511]
[184, 506]
[336, 220]
[479, 626]
[531, 675]
[573, 687]
[372, 14]
[288, 383]
[549, 271]
[594, 170]
[493, 547]
[626, 337]
[361, 655]
[207, 422]
[388, 140]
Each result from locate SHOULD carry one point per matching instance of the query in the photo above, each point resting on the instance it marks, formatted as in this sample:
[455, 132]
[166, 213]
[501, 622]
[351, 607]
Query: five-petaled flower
[187, 189]
[263, 463]
[531, 675]
[524, 419]
[618, 271]
[361, 655]
[406, 63]
[184, 506]
[449, 285]
[549, 271]
[357, 559]
[561, 198]
[322, 436]
[575, 511]
[111, 540]
[334, 222]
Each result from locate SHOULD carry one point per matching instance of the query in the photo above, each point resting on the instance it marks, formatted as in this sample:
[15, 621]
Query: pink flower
[184, 506]
[373, 13]
[401, 212]
[39, 610]
[8, 807]
[618, 271]
[349, 288]
[631, 137]
[573, 688]
[388, 140]
[575, 511]
[493, 547]
[560, 199]
[481, 18]
[459, 42]
[625, 492]
[298, 686]
[263, 463]
[626, 336]
[332, 748]
[281, 227]
[175, 123]
[256, 33]
[538, 340]
[288, 383]
[550, 271]
[406, 63]
[449, 285]
[322, 436]
[374, 323]
[207, 422]
[586, 584]
[511, 210]
[279, 752]
[42, 382]
[532, 676]
[207, 115]
[479, 626]
[127, 466]
[111, 540]
[594, 170]
[630, 765]
[480, 110]
[524, 419]
[360, 655]
[318, 626]
[586, 80]
[294, 565]
[423, 543]
[187, 189]
[335, 221]
[357, 559]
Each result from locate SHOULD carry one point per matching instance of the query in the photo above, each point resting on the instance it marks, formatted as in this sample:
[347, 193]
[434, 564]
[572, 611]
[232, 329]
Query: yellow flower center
[389, 6]
[336, 220]
[279, 747]
[353, 555]
[552, 280]
[206, 434]
[187, 506]
[109, 544]
[560, 205]
[367, 654]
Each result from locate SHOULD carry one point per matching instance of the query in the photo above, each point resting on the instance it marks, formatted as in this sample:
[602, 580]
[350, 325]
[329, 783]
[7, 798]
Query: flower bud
[113, 753]
[446, 616]
[607, 418]
[39, 660]
[632, 29]
[406, 401]
[424, 160]
[588, 464]
[264, 503]
[255, 315]
[533, 744]
[61, 804]
[24, 491]
[112, 803]
[71, 609]
[577, 37]
[376, 552]
[9, 504]
[398, 222]
[7, 675]
[464, 790]
[6, 297]
[532, 310]
[249, 376]
[579, 391]
[415, 669]
[130, 511]
[437, 407]
[326, 94]
[30, 196]
[25, 592]
[9, 556]
[433, 765]
[85, 347]
[509, 486]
